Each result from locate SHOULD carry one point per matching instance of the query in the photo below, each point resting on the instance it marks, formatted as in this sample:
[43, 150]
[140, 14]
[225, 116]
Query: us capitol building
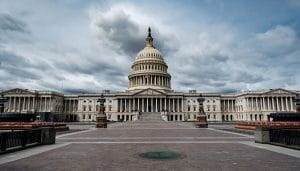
[150, 93]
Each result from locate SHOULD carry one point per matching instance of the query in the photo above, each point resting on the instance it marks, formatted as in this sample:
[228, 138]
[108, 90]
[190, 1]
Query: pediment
[149, 91]
[18, 91]
[280, 91]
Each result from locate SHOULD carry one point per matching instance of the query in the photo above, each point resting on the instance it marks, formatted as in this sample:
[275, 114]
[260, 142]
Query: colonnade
[155, 80]
[153, 104]
[275, 103]
[70, 105]
[29, 104]
[228, 105]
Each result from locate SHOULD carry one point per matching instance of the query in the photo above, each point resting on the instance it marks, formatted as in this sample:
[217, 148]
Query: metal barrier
[285, 136]
[19, 139]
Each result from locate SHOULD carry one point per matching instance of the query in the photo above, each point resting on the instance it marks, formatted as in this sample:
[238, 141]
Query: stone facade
[149, 91]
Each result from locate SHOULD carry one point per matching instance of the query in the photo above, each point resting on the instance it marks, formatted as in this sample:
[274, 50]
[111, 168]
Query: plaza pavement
[118, 148]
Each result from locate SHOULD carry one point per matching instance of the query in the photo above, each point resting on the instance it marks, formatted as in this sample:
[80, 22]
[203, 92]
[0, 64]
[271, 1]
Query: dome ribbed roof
[149, 52]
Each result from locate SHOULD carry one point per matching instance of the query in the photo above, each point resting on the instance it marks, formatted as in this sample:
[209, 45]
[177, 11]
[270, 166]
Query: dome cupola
[149, 69]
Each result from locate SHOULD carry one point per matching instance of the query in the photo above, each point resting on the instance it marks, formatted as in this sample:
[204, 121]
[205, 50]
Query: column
[169, 100]
[286, 104]
[24, 104]
[33, 103]
[291, 102]
[256, 104]
[252, 103]
[273, 103]
[263, 103]
[125, 104]
[121, 105]
[9, 102]
[19, 109]
[177, 104]
[143, 105]
[28, 103]
[152, 108]
[165, 108]
[14, 106]
[268, 102]
[129, 101]
[282, 108]
[173, 103]
[277, 103]
[147, 104]
[160, 104]
[134, 108]
[138, 104]
[228, 105]
[182, 104]
[45, 104]
[156, 105]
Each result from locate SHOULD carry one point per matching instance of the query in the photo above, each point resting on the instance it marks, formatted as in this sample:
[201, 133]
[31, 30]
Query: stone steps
[150, 116]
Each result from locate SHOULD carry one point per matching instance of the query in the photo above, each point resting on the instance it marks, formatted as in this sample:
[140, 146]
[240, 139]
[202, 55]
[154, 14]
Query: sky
[75, 46]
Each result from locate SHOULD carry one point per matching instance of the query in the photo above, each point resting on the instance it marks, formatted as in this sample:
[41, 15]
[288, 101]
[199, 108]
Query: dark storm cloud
[9, 23]
[90, 68]
[17, 66]
[127, 35]
[244, 77]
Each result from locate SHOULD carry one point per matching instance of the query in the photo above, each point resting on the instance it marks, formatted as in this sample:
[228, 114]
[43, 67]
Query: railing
[19, 139]
[290, 137]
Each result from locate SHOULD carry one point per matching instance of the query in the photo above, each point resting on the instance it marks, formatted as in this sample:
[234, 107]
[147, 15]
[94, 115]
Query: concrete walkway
[118, 148]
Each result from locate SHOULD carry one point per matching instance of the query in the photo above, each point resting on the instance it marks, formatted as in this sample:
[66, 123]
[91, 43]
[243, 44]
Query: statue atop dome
[149, 32]
[149, 39]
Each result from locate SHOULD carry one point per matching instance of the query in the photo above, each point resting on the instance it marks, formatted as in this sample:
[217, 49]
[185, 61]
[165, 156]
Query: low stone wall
[20, 139]
[254, 125]
[33, 125]
[283, 136]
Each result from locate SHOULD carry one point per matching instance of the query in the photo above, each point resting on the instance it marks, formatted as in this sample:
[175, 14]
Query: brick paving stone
[118, 148]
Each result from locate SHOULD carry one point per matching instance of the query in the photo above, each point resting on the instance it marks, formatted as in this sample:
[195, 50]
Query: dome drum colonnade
[149, 69]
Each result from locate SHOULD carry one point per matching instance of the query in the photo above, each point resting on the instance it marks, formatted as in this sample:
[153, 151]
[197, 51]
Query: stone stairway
[150, 116]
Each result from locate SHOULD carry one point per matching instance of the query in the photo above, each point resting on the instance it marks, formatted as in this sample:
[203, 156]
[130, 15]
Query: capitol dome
[149, 69]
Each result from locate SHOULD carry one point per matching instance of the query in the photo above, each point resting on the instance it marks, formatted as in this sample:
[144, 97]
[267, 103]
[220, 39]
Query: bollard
[262, 135]
[48, 135]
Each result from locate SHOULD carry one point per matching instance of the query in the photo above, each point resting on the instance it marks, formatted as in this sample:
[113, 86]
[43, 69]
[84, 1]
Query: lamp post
[101, 120]
[3, 100]
[201, 118]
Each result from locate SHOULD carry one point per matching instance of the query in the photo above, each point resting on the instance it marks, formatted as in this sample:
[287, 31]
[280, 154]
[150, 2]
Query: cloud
[9, 23]
[12, 29]
[125, 32]
[277, 41]
[88, 49]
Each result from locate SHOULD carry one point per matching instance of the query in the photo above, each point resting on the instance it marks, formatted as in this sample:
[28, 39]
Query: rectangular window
[214, 107]
[189, 108]
[84, 107]
[90, 108]
[109, 108]
[83, 116]
[208, 116]
[214, 116]
[208, 107]
[90, 116]
[194, 108]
